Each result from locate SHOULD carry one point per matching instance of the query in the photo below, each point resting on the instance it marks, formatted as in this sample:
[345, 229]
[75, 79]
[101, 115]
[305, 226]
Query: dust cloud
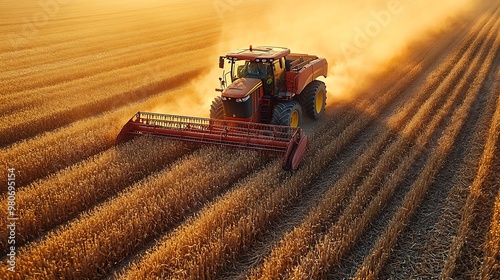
[358, 38]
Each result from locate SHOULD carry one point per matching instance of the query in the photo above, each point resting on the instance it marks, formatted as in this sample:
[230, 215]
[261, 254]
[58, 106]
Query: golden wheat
[62, 111]
[90, 245]
[46, 203]
[48, 153]
[95, 81]
[87, 208]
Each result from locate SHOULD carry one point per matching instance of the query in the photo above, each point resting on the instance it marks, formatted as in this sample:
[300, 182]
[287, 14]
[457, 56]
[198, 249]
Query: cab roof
[259, 53]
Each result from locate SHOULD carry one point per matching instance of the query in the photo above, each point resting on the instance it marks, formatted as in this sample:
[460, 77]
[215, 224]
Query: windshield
[250, 69]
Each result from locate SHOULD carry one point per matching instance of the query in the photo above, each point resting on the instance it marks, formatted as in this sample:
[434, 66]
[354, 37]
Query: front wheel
[287, 114]
[216, 109]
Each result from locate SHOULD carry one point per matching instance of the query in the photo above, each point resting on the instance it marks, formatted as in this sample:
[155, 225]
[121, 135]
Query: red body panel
[307, 69]
[241, 87]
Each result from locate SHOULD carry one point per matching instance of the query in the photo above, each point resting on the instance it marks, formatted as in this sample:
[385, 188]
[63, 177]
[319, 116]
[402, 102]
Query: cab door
[279, 75]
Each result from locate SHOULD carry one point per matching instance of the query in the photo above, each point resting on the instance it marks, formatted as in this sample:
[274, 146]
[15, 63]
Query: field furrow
[295, 243]
[481, 196]
[372, 265]
[344, 233]
[490, 267]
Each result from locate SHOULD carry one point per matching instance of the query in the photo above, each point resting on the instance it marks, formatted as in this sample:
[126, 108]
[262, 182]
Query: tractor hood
[241, 88]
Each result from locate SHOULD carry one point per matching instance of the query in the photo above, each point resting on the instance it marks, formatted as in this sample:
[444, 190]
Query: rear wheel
[287, 114]
[313, 99]
[216, 109]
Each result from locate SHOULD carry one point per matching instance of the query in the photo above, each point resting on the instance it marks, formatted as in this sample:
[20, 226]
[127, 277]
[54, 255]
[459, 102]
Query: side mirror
[221, 62]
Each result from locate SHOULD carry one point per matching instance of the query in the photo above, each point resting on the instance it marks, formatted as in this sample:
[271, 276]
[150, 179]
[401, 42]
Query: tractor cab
[264, 63]
[252, 69]
[251, 79]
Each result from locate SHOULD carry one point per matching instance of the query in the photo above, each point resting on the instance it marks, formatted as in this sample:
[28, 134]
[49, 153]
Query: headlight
[243, 99]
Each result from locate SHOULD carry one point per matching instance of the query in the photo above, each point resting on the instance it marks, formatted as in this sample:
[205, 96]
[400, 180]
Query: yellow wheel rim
[320, 101]
[294, 119]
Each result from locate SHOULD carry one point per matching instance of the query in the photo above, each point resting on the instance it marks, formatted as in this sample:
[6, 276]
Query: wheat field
[401, 178]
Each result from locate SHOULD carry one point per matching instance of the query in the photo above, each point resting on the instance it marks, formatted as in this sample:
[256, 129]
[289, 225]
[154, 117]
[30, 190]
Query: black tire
[287, 113]
[313, 99]
[216, 109]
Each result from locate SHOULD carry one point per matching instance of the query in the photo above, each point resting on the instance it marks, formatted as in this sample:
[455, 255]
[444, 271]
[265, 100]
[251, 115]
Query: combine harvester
[264, 91]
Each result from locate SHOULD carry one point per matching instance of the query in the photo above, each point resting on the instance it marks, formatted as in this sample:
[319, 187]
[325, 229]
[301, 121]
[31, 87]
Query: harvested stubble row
[48, 153]
[223, 230]
[297, 242]
[477, 73]
[46, 203]
[435, 250]
[490, 269]
[480, 187]
[91, 245]
[341, 237]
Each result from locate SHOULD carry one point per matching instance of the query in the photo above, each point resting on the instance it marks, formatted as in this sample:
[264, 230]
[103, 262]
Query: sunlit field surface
[401, 179]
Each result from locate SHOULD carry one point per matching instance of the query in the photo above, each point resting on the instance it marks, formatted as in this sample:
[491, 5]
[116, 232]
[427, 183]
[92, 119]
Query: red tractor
[264, 91]
[270, 85]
